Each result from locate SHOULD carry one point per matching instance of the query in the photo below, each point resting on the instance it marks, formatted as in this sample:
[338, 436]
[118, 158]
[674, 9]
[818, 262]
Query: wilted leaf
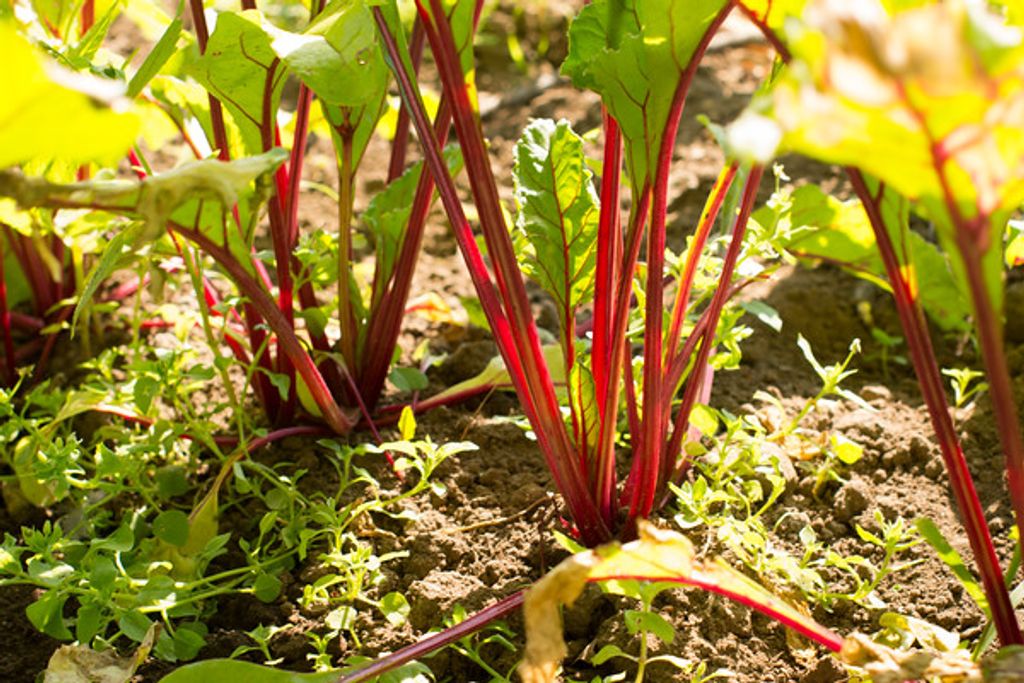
[81, 664]
[658, 555]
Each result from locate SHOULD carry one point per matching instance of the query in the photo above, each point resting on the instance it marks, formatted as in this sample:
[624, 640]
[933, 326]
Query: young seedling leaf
[46, 614]
[558, 215]
[408, 379]
[156, 59]
[266, 587]
[637, 620]
[171, 526]
[395, 608]
[948, 554]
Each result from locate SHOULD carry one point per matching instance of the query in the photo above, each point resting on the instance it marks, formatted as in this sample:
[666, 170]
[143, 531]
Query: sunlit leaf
[558, 215]
[635, 64]
[337, 56]
[930, 100]
[50, 112]
[243, 71]
[821, 226]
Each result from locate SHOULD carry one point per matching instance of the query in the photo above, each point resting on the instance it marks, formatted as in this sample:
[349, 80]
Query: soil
[489, 536]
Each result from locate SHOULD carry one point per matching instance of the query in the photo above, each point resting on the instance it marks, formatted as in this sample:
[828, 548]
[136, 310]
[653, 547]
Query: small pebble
[876, 392]
[851, 500]
[920, 448]
[934, 469]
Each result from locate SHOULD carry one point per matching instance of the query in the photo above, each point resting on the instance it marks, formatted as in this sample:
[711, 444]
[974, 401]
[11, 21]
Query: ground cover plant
[617, 393]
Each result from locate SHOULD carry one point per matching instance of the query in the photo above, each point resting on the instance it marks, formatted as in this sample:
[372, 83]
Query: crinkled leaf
[82, 664]
[50, 112]
[243, 71]
[558, 214]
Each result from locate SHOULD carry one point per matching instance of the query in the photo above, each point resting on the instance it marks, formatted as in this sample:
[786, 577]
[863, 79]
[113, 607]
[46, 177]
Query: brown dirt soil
[489, 535]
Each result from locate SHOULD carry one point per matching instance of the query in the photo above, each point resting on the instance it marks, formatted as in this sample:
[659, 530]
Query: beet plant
[931, 131]
[572, 240]
[836, 104]
[570, 237]
[314, 338]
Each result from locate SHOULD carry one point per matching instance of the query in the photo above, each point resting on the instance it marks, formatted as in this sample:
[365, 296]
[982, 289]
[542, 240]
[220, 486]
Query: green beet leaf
[337, 57]
[234, 670]
[635, 63]
[823, 227]
[558, 215]
[241, 68]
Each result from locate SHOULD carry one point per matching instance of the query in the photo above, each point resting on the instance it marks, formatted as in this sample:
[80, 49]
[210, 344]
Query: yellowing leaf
[658, 555]
[82, 664]
[48, 112]
[495, 374]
